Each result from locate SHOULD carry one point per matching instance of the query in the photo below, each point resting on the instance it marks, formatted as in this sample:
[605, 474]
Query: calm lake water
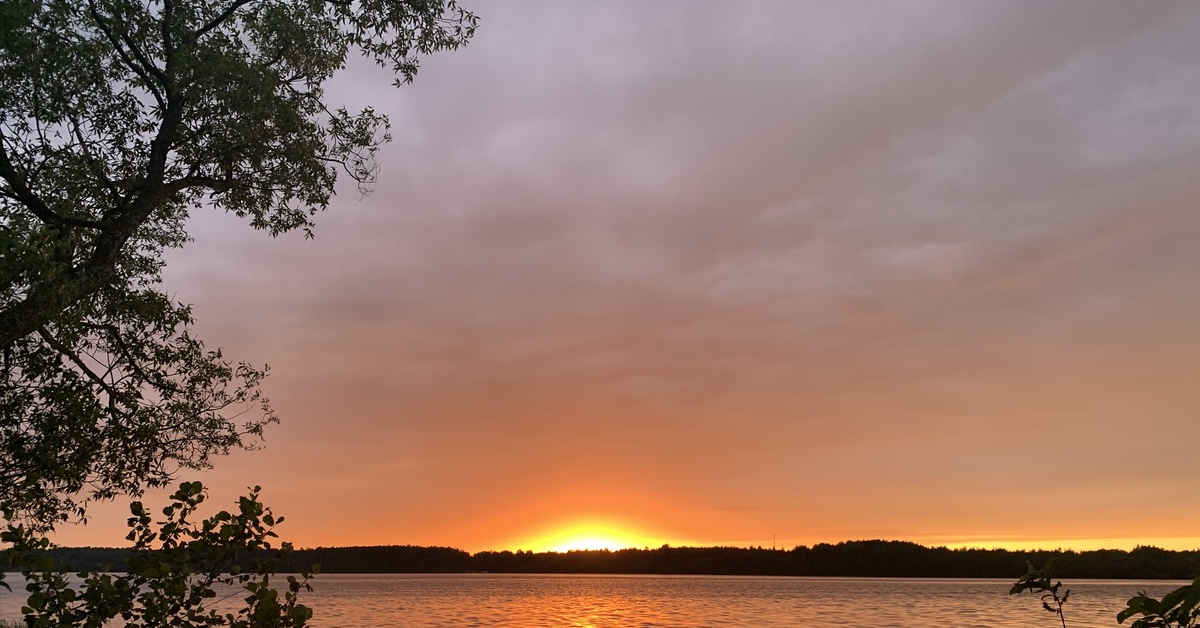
[435, 601]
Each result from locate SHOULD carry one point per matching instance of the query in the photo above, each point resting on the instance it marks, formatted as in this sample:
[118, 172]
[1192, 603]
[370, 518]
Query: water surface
[429, 601]
[593, 601]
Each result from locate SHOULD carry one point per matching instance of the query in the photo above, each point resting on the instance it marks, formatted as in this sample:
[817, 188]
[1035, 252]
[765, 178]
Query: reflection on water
[432, 601]
[693, 601]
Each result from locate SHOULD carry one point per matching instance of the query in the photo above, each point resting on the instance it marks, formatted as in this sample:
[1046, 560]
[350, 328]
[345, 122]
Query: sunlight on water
[531, 601]
[686, 601]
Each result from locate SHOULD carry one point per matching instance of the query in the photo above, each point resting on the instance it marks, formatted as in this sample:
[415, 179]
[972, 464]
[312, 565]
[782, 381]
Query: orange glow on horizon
[589, 534]
[1175, 543]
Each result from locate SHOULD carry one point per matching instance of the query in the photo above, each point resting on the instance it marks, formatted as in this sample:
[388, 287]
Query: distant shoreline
[867, 559]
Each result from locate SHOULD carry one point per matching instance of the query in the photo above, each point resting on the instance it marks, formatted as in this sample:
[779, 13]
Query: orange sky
[706, 273]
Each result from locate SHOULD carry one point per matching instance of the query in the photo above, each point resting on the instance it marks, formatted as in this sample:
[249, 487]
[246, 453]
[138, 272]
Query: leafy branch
[1039, 581]
[1177, 609]
[175, 573]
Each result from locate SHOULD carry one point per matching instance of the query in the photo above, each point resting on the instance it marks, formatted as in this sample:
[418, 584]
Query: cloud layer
[922, 270]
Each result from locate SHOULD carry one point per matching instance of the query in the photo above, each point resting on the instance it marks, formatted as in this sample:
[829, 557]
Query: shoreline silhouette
[872, 558]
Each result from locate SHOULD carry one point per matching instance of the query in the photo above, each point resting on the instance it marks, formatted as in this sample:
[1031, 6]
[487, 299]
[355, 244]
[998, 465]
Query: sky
[715, 273]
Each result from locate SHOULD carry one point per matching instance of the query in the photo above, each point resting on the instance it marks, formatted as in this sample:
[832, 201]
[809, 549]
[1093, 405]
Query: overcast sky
[707, 272]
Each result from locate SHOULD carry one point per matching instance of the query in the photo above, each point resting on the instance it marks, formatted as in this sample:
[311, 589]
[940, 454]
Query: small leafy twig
[1039, 581]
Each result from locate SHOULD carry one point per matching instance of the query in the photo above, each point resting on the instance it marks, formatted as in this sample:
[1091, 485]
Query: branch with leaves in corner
[1177, 609]
[117, 119]
[182, 573]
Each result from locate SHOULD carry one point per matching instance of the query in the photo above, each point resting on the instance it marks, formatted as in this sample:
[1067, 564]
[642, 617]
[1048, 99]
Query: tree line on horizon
[875, 558]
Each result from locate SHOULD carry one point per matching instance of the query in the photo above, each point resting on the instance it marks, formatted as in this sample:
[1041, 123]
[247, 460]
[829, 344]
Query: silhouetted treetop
[117, 119]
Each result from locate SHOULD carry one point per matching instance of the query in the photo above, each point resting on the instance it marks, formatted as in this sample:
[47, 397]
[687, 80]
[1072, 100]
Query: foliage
[177, 571]
[1040, 581]
[1177, 609]
[117, 118]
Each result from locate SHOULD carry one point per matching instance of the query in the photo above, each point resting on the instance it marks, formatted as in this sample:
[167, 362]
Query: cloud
[797, 257]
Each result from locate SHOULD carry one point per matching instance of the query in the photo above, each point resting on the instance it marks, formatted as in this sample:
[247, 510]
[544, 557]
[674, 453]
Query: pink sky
[699, 272]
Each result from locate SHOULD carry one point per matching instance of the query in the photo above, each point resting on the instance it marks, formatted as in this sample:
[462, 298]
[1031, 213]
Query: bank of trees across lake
[853, 558]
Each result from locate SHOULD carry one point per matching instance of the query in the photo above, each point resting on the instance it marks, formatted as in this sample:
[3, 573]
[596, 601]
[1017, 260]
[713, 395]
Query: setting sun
[589, 535]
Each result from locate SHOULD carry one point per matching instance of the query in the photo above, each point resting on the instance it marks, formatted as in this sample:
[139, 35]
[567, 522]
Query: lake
[592, 601]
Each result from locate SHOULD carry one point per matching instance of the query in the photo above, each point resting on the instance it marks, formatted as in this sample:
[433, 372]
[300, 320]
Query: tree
[117, 119]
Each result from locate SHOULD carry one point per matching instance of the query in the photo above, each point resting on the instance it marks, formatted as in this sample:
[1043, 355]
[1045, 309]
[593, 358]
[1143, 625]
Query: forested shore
[850, 559]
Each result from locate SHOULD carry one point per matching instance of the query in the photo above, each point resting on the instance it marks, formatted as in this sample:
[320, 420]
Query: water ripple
[577, 601]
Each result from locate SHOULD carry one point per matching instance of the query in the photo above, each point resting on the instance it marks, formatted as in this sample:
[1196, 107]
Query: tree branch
[129, 357]
[21, 193]
[116, 44]
[66, 351]
[66, 220]
[222, 18]
[43, 302]
[201, 181]
[168, 22]
[143, 59]
[92, 162]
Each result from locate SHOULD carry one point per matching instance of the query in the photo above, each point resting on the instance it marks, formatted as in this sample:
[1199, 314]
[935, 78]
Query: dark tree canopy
[117, 118]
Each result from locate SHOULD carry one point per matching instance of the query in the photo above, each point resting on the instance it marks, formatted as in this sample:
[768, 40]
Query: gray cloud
[837, 265]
